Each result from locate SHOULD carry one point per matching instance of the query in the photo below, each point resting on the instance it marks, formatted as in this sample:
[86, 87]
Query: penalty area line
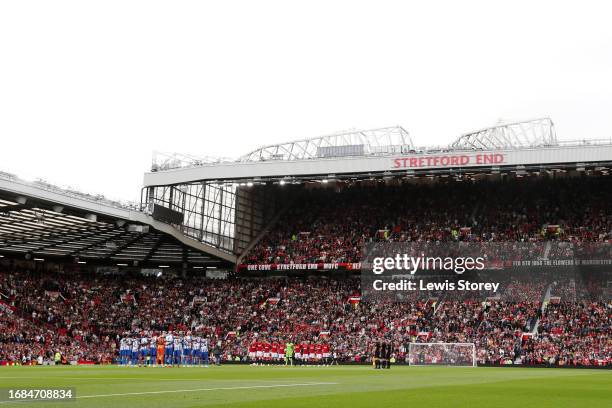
[250, 387]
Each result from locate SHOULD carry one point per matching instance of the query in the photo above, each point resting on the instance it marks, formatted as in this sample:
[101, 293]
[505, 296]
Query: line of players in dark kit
[382, 355]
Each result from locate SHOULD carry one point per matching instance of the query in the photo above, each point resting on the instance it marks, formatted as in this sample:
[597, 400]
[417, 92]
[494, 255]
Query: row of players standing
[166, 349]
[301, 353]
[382, 355]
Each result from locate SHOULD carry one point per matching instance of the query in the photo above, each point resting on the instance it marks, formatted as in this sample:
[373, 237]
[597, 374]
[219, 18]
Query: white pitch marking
[206, 389]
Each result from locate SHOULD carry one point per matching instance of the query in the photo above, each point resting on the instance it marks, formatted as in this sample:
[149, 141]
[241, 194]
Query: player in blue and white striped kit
[124, 349]
[152, 360]
[204, 351]
[135, 351]
[169, 351]
[195, 353]
[178, 351]
[144, 349]
[187, 349]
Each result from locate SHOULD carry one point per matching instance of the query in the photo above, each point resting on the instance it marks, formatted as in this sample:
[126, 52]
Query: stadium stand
[551, 320]
[333, 226]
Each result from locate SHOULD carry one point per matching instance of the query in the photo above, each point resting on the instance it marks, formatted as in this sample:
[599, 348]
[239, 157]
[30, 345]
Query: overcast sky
[89, 89]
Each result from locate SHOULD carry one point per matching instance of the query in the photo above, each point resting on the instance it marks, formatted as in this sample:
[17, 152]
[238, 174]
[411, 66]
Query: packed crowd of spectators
[84, 316]
[572, 333]
[333, 225]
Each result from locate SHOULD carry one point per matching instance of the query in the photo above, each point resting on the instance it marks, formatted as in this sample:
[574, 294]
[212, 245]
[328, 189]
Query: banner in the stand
[355, 299]
[6, 308]
[300, 267]
[322, 266]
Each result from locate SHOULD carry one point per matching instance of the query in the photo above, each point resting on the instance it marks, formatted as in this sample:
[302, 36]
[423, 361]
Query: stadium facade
[229, 204]
[208, 212]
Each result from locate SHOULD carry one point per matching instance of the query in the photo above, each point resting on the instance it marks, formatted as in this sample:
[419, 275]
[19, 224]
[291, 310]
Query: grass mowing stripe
[208, 389]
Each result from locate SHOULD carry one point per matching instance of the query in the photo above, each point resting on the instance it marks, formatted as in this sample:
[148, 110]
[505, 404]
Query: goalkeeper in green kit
[289, 353]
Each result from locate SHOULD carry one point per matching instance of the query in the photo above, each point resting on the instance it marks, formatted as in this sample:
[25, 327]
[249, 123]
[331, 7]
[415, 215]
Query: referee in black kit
[377, 355]
[386, 355]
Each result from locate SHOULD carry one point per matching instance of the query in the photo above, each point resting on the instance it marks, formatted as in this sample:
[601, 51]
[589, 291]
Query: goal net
[447, 354]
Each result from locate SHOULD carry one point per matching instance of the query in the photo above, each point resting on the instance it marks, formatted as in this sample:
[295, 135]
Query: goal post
[442, 354]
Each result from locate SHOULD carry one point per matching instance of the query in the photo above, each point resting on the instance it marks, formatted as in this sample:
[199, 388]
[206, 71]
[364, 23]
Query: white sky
[89, 89]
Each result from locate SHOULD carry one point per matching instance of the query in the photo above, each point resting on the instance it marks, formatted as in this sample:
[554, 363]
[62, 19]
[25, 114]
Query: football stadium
[253, 281]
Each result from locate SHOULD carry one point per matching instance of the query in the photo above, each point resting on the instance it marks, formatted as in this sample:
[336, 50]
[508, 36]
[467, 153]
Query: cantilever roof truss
[382, 140]
[532, 133]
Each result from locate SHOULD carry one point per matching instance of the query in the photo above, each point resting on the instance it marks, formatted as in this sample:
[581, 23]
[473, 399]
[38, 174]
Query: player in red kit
[319, 353]
[267, 352]
[298, 352]
[252, 352]
[326, 354]
[305, 353]
[281, 352]
[259, 350]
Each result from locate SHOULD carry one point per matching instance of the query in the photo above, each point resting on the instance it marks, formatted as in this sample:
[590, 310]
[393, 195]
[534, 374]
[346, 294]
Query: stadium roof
[389, 152]
[39, 221]
[375, 142]
[350, 143]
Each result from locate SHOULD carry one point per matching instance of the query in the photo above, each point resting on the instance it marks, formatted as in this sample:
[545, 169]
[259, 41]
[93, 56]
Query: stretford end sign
[448, 160]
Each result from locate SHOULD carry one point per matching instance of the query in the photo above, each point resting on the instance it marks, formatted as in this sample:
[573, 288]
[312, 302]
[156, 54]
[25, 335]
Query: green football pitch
[344, 386]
